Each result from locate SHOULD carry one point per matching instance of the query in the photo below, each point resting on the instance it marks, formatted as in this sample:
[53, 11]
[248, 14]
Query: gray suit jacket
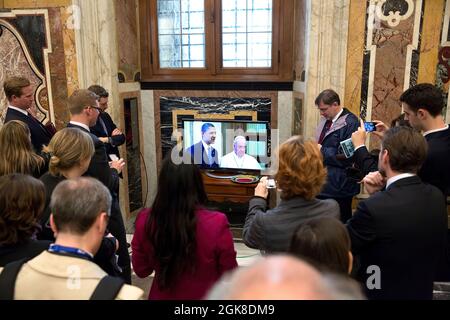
[272, 230]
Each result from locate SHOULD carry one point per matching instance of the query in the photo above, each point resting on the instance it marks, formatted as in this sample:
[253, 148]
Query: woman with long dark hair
[188, 246]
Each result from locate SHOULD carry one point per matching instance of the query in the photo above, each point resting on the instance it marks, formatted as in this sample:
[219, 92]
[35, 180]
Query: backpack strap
[107, 289]
[8, 279]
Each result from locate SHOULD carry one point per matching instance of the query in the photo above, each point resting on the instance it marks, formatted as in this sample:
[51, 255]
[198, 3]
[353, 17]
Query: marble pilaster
[97, 47]
[285, 101]
[326, 54]
[149, 141]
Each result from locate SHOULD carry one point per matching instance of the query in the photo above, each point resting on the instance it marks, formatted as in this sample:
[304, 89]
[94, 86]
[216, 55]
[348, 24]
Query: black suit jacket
[200, 156]
[39, 134]
[99, 166]
[98, 130]
[436, 168]
[403, 231]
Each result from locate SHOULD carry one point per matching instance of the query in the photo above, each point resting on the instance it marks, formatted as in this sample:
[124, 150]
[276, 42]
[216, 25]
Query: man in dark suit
[20, 95]
[337, 125]
[423, 104]
[203, 152]
[399, 233]
[105, 129]
[84, 110]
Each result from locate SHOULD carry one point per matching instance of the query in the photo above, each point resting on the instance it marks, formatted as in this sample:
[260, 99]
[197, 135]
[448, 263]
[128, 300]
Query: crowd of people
[62, 234]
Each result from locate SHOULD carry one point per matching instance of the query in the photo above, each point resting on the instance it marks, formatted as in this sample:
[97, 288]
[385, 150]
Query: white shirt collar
[338, 115]
[80, 125]
[436, 130]
[18, 109]
[398, 177]
[206, 146]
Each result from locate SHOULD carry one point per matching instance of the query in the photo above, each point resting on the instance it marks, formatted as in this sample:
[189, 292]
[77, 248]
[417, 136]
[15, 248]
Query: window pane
[247, 33]
[181, 25]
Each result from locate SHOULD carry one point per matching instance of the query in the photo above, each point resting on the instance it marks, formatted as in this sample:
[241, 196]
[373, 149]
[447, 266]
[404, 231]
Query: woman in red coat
[188, 246]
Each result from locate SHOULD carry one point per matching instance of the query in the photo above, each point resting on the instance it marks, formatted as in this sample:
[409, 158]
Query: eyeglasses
[96, 108]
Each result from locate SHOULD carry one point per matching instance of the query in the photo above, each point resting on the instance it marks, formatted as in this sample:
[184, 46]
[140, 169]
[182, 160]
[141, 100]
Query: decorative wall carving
[394, 11]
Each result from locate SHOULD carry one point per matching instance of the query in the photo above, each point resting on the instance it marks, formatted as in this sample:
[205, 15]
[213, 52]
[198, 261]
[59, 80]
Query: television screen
[227, 144]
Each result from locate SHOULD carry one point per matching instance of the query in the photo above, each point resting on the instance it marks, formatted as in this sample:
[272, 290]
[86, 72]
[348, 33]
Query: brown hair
[300, 171]
[68, 148]
[22, 200]
[323, 242]
[81, 99]
[16, 151]
[327, 97]
[424, 96]
[99, 91]
[14, 85]
[406, 147]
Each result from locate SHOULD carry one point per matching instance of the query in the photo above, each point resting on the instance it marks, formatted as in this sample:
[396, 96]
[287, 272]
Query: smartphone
[271, 184]
[348, 148]
[370, 126]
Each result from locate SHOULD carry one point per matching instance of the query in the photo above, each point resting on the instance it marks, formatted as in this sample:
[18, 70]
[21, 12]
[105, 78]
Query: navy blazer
[402, 230]
[99, 166]
[199, 156]
[39, 134]
[115, 141]
[338, 185]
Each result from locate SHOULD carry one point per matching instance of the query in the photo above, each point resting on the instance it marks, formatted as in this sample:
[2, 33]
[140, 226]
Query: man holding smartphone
[337, 125]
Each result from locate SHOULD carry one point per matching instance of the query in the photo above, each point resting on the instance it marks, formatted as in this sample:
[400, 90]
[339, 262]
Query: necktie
[325, 129]
[209, 155]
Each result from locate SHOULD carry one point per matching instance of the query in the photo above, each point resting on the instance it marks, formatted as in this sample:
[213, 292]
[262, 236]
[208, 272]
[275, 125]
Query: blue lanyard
[56, 248]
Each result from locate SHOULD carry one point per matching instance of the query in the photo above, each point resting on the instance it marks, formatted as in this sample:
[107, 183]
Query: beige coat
[54, 277]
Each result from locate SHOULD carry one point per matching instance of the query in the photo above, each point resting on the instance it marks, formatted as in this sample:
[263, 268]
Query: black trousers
[345, 206]
[117, 229]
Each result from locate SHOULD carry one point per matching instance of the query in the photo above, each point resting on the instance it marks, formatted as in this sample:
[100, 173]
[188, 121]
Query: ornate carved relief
[394, 11]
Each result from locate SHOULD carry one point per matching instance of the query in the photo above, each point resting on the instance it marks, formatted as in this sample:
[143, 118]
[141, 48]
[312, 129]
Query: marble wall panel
[16, 60]
[430, 38]
[299, 40]
[214, 102]
[42, 36]
[127, 39]
[355, 57]
[390, 67]
[58, 74]
[70, 54]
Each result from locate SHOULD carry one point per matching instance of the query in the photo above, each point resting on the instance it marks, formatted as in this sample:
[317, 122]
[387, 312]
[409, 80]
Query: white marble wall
[285, 102]
[148, 123]
[326, 51]
[97, 48]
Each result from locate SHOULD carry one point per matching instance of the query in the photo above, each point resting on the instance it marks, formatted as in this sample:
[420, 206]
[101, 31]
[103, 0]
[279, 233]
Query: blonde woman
[70, 153]
[16, 151]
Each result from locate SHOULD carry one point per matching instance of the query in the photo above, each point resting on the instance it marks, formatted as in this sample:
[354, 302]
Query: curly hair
[301, 172]
[22, 200]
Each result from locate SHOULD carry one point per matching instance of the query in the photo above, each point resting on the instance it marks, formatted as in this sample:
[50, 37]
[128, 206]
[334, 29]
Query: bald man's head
[275, 278]
[283, 277]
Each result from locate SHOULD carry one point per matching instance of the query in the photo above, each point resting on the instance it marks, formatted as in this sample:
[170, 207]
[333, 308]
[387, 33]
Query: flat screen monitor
[227, 145]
